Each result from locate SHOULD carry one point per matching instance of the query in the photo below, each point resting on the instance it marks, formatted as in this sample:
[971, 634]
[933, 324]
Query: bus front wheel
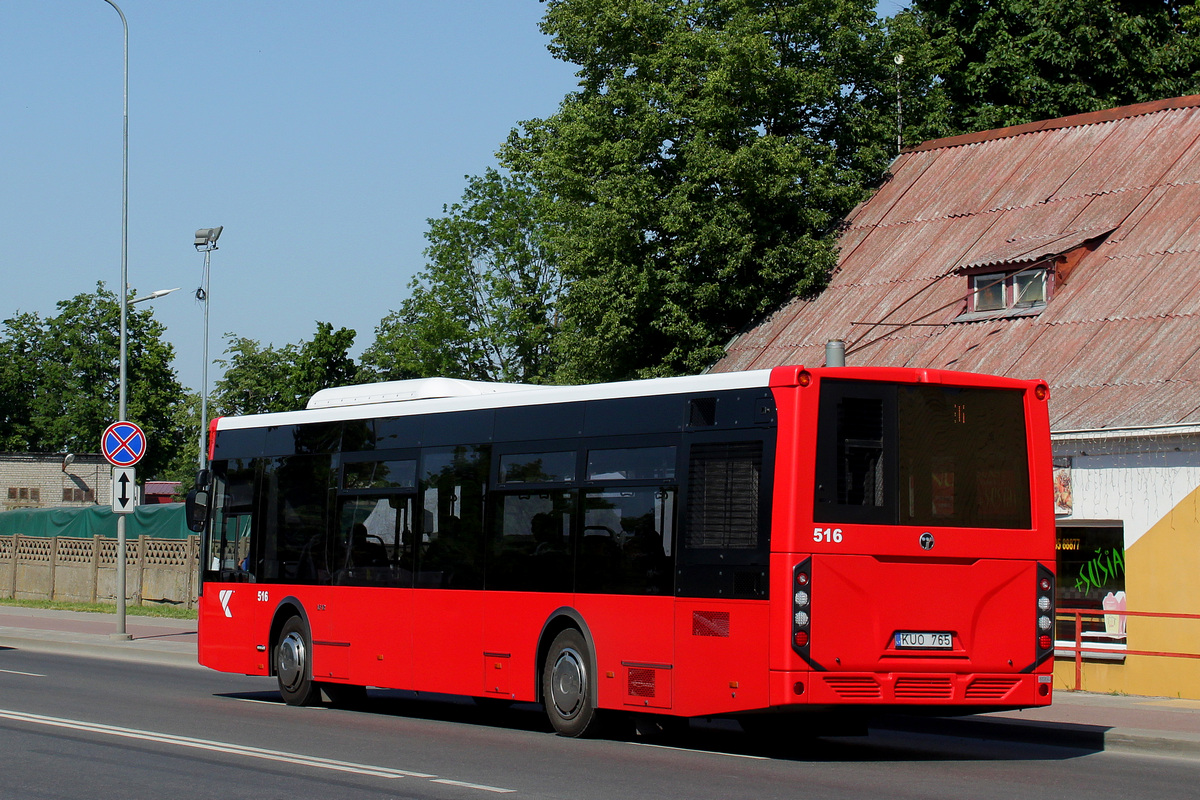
[293, 664]
[567, 686]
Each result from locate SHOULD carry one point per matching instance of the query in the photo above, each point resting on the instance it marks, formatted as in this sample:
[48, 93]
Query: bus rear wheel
[567, 686]
[293, 664]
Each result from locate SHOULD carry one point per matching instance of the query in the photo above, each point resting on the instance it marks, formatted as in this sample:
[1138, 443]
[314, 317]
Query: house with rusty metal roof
[1067, 250]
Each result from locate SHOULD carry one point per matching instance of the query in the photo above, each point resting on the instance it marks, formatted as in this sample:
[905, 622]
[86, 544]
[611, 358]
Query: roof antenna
[899, 59]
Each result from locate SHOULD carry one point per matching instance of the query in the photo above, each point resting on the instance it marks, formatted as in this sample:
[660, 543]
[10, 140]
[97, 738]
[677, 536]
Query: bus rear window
[921, 455]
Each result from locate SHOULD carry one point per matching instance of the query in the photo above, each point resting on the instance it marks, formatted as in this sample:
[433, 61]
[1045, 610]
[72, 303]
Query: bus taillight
[801, 606]
[1045, 613]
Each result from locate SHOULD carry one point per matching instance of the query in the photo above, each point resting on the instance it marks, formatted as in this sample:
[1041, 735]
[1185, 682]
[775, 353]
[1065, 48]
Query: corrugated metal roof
[1030, 249]
[1119, 340]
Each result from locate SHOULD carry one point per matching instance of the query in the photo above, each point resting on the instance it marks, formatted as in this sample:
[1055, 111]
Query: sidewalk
[156, 639]
[1076, 719]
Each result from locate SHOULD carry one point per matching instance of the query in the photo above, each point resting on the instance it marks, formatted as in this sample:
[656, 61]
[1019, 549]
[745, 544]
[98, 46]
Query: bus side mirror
[196, 509]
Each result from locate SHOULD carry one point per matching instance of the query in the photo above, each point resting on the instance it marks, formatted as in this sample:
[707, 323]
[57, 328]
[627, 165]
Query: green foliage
[60, 376]
[261, 379]
[694, 180]
[484, 307]
[992, 63]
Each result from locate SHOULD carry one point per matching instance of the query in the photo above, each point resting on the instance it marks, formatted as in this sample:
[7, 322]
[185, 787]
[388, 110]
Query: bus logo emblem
[926, 541]
[225, 596]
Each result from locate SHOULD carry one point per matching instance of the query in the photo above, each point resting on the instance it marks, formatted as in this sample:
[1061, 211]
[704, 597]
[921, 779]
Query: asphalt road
[74, 727]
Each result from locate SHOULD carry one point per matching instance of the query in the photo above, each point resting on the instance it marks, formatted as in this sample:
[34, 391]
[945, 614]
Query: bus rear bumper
[974, 690]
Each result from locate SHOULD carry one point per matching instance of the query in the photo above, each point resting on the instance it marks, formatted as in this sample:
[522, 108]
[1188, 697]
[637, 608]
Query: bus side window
[453, 482]
[624, 546]
[530, 551]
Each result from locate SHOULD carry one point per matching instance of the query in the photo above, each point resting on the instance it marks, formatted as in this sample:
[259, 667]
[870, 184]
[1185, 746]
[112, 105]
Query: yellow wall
[1162, 574]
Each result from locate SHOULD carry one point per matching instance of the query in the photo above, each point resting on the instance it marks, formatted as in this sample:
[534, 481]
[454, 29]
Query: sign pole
[123, 445]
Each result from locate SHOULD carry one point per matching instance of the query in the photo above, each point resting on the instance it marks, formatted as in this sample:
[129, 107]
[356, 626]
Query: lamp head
[206, 238]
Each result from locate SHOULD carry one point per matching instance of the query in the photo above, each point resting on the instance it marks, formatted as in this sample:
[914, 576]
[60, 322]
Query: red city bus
[831, 541]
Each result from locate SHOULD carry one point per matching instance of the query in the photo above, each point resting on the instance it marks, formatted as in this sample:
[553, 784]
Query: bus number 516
[827, 534]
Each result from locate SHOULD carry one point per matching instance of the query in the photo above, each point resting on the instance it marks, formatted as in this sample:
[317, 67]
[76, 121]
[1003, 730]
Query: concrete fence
[157, 571]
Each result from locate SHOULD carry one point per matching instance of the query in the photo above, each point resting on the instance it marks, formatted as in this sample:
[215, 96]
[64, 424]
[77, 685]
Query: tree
[20, 381]
[60, 380]
[695, 179]
[262, 379]
[1006, 62]
[484, 307]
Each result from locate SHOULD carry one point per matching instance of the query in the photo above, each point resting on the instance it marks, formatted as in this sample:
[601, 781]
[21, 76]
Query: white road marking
[18, 672]
[235, 749]
[479, 786]
[705, 752]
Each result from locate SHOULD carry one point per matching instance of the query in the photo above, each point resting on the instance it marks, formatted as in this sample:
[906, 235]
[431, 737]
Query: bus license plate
[924, 640]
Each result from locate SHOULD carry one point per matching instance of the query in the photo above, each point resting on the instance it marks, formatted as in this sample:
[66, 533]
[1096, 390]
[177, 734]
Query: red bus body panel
[700, 656]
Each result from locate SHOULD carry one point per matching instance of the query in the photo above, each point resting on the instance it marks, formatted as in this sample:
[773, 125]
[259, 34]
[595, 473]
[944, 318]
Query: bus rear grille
[710, 623]
[641, 682]
[990, 688]
[924, 687]
[857, 687]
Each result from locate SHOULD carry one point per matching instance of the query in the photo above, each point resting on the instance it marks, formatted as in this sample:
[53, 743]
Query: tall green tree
[694, 180]
[992, 63]
[59, 386]
[260, 379]
[484, 307]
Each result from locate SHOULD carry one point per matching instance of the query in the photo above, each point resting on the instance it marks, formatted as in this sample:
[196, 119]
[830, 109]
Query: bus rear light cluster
[802, 607]
[1045, 613]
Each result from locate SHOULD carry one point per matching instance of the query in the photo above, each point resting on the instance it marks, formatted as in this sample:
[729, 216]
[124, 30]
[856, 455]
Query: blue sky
[321, 135]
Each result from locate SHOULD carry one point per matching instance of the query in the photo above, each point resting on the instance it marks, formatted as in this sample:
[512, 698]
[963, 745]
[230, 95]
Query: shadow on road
[892, 737]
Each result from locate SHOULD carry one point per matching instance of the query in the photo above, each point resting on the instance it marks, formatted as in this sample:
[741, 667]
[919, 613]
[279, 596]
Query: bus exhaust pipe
[835, 353]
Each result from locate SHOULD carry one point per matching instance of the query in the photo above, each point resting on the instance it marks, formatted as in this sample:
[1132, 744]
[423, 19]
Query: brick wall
[38, 480]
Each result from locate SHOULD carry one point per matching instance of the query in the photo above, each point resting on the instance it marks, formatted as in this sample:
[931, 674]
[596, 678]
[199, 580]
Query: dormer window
[1017, 277]
[1000, 291]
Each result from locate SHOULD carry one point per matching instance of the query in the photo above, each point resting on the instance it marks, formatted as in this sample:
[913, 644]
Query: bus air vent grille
[857, 687]
[990, 688]
[924, 687]
[641, 682]
[710, 623]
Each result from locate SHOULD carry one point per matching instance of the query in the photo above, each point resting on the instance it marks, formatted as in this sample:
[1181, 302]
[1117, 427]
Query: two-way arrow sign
[124, 490]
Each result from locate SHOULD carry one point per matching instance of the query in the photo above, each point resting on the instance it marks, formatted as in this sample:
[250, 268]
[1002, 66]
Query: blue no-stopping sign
[123, 444]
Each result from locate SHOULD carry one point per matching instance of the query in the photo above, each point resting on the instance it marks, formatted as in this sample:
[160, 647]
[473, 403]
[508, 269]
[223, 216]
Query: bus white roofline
[501, 395]
[401, 391]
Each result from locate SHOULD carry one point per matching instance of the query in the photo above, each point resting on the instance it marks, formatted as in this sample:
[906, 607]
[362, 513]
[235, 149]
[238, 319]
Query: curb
[170, 653]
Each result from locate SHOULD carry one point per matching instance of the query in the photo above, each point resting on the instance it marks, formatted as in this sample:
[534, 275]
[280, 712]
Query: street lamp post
[206, 242]
[124, 293]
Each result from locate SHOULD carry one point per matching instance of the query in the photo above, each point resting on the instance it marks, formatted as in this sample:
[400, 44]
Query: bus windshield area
[922, 455]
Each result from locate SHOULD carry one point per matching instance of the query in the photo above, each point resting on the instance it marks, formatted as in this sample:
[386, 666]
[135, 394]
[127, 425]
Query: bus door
[229, 563]
[372, 550]
[447, 614]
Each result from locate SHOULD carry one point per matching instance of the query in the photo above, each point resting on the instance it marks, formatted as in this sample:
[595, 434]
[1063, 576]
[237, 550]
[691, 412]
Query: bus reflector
[798, 687]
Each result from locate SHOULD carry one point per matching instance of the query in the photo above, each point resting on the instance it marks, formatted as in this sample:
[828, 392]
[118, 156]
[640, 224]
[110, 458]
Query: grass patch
[170, 611]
